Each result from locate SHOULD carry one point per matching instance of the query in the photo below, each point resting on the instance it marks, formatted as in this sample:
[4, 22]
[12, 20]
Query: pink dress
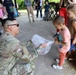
[1, 13]
[66, 38]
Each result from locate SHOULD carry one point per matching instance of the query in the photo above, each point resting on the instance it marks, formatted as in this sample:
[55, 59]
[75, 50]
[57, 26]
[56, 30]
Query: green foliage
[57, 1]
[21, 4]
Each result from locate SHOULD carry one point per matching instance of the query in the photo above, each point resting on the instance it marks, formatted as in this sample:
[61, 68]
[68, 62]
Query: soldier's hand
[43, 45]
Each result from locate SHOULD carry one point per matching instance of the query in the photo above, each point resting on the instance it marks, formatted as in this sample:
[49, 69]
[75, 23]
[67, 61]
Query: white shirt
[40, 2]
[74, 1]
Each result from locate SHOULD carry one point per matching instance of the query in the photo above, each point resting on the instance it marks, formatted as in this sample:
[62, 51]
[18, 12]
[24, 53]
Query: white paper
[38, 40]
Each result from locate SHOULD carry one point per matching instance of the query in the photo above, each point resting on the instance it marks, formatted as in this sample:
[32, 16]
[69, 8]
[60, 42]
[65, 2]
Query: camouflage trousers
[20, 69]
[23, 69]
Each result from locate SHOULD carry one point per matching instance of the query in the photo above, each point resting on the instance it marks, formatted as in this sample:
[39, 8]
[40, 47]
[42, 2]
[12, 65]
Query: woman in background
[29, 10]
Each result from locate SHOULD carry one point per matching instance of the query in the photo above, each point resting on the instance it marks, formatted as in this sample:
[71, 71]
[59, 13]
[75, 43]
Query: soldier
[14, 56]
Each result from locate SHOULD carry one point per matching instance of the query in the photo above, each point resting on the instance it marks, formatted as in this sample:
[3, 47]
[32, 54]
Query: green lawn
[57, 1]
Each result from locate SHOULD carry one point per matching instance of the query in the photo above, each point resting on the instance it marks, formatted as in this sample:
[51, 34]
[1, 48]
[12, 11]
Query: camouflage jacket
[11, 51]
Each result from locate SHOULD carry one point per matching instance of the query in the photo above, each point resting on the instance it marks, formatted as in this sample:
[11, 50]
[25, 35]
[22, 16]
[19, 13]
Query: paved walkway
[43, 63]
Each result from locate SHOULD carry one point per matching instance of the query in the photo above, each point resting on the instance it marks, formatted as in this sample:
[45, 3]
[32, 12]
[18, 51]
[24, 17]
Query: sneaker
[33, 20]
[37, 18]
[57, 67]
[41, 19]
[70, 59]
[66, 58]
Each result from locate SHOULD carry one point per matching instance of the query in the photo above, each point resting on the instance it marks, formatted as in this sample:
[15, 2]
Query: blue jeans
[72, 46]
[46, 15]
[39, 8]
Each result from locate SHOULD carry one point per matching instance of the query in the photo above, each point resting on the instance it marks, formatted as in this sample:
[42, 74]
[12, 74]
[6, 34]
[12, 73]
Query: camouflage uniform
[14, 57]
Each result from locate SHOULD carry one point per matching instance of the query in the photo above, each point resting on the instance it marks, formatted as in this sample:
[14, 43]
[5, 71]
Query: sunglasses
[14, 24]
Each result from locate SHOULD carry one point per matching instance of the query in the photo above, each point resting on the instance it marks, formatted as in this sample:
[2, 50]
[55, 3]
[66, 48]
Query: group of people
[7, 9]
[38, 6]
[65, 24]
[15, 59]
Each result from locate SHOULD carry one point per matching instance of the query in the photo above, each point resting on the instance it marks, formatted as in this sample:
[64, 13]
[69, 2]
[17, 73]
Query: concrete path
[44, 62]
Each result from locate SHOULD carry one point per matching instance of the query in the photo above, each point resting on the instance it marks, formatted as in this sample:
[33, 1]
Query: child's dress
[63, 49]
[66, 38]
[1, 11]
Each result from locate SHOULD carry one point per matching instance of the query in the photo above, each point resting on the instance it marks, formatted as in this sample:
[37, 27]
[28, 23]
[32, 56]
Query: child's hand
[63, 43]
[56, 41]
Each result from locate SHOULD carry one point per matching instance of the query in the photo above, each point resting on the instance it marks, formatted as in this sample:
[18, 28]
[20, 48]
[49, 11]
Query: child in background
[64, 45]
[74, 26]
[1, 10]
[71, 11]
[1, 15]
[47, 8]
[74, 32]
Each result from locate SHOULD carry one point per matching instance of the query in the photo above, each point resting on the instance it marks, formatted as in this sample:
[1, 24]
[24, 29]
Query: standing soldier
[12, 51]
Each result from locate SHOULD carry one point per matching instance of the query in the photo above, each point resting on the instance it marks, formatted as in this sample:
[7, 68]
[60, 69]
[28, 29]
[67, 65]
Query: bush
[21, 4]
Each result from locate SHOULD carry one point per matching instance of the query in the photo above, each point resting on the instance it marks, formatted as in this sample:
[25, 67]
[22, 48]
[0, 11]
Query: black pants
[10, 14]
[39, 8]
[46, 15]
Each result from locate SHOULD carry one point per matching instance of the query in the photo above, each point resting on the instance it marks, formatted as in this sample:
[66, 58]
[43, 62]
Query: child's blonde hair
[72, 8]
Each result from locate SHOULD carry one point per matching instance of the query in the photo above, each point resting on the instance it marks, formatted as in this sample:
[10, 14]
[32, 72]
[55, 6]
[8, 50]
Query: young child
[47, 8]
[64, 45]
[71, 11]
[62, 12]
